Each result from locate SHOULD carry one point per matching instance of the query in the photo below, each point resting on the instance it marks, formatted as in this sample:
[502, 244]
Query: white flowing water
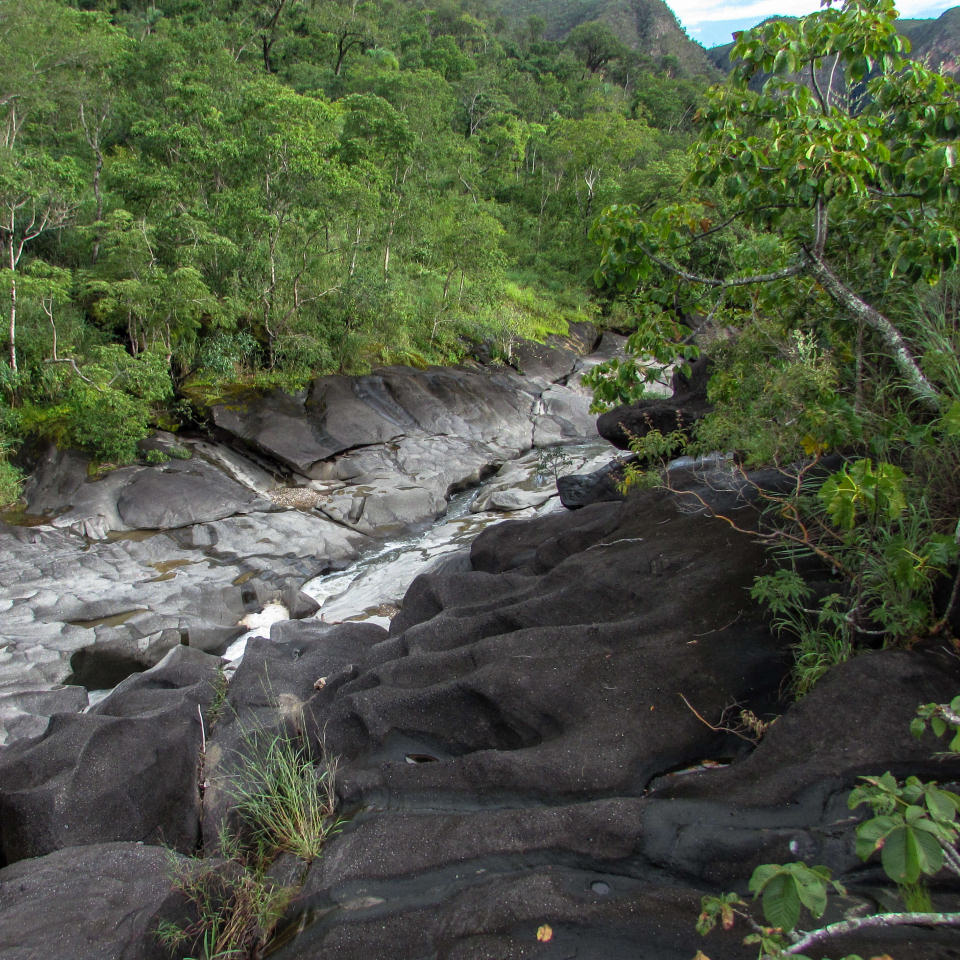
[372, 589]
[258, 625]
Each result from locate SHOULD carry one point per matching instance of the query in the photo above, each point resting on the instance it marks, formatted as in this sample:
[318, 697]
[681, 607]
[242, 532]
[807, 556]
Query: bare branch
[790, 271]
[877, 920]
[73, 363]
[724, 729]
[833, 71]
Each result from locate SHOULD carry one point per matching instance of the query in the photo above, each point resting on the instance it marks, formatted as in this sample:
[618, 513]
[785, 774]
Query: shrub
[11, 482]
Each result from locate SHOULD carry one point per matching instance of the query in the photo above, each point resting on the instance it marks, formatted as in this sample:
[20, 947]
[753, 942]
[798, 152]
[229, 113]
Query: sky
[712, 23]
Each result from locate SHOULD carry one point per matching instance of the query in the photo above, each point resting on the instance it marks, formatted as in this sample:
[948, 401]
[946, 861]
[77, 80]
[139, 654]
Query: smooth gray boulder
[25, 710]
[180, 493]
[56, 476]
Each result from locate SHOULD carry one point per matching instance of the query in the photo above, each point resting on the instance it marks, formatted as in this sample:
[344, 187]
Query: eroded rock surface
[126, 770]
[538, 738]
[145, 558]
[523, 747]
[86, 903]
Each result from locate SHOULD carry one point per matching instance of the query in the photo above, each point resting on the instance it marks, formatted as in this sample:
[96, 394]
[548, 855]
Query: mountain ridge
[649, 27]
[935, 41]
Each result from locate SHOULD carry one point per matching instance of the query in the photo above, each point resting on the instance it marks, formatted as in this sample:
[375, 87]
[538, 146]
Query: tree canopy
[814, 255]
[271, 189]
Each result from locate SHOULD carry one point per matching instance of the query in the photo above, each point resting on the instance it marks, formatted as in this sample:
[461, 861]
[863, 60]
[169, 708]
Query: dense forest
[197, 194]
[197, 197]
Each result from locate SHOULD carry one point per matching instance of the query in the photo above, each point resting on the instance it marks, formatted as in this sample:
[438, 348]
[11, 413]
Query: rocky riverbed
[537, 738]
[112, 573]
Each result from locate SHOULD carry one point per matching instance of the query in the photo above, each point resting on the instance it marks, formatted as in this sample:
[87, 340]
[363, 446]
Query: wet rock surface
[131, 564]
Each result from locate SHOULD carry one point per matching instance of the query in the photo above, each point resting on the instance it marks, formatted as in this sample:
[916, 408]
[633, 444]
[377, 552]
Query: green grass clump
[285, 799]
[285, 796]
[235, 906]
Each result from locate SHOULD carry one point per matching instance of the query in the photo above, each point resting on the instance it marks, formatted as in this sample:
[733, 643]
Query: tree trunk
[98, 168]
[12, 261]
[13, 322]
[356, 247]
[892, 339]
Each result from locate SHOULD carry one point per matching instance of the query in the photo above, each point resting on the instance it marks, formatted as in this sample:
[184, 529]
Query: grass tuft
[285, 796]
[286, 801]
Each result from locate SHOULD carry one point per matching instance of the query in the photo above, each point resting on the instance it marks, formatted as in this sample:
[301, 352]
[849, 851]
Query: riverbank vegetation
[815, 254]
[198, 195]
[194, 194]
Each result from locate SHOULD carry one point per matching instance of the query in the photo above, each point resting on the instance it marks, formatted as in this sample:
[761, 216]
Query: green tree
[595, 44]
[847, 156]
[45, 47]
[38, 196]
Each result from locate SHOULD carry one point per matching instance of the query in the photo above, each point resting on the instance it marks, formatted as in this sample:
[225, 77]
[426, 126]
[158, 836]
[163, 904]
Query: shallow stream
[372, 588]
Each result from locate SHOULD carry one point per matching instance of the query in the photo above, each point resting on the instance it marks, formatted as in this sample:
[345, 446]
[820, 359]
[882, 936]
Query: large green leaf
[781, 902]
[811, 888]
[872, 834]
[908, 852]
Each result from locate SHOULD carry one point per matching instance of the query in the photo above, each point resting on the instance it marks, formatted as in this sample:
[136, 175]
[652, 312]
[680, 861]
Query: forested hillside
[648, 27]
[199, 193]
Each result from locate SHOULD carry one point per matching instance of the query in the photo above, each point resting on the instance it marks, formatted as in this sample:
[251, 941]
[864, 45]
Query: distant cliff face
[937, 42]
[647, 26]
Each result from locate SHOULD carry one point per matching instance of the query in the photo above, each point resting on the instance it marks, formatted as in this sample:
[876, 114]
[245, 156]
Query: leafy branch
[915, 830]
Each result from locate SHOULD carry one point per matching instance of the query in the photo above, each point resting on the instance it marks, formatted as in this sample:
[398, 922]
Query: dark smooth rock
[280, 417]
[688, 404]
[519, 679]
[342, 413]
[544, 361]
[518, 752]
[25, 711]
[278, 683]
[54, 480]
[582, 336]
[787, 800]
[88, 903]
[127, 770]
[581, 489]
[496, 910]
